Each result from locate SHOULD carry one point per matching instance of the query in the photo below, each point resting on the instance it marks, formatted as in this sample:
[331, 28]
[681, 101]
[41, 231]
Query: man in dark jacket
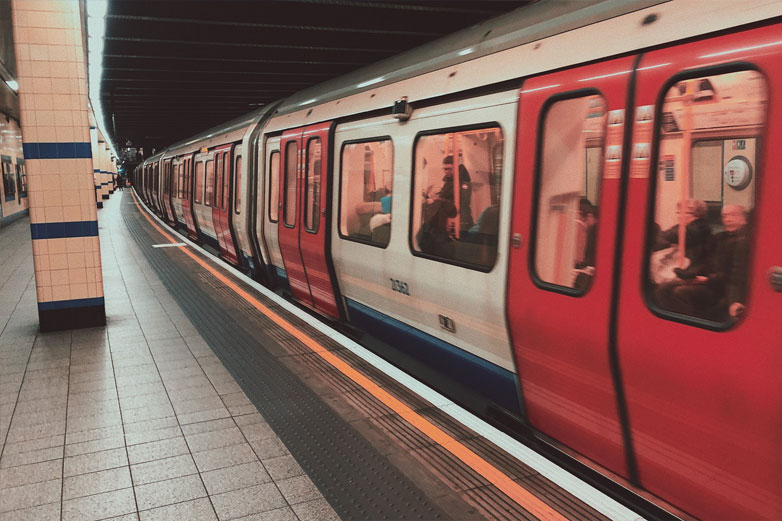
[697, 234]
[719, 290]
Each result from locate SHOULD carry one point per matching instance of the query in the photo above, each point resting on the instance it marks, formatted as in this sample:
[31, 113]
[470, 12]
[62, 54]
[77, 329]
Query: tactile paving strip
[357, 481]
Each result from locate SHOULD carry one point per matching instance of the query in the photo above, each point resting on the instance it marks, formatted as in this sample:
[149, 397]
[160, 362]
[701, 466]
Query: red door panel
[313, 233]
[303, 226]
[220, 210]
[705, 405]
[560, 334]
[290, 195]
[187, 200]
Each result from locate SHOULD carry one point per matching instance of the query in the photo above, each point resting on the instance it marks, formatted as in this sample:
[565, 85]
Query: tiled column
[55, 135]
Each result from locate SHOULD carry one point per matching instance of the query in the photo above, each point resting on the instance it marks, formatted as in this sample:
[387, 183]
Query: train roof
[526, 24]
[225, 132]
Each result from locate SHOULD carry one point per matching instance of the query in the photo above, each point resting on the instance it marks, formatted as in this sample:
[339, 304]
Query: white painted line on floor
[169, 245]
[557, 475]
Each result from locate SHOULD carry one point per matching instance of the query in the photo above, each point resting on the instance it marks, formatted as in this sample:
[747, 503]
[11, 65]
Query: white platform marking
[169, 245]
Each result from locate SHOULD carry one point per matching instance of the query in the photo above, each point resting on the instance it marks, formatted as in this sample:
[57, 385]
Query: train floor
[205, 399]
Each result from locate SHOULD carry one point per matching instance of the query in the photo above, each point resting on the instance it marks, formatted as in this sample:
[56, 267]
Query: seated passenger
[718, 290]
[697, 234]
[380, 224]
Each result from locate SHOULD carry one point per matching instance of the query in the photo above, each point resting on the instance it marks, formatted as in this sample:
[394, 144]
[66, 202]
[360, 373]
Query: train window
[199, 181]
[289, 186]
[210, 183]
[238, 185]
[21, 178]
[456, 196]
[179, 181]
[274, 186]
[569, 166]
[699, 241]
[365, 196]
[9, 183]
[312, 188]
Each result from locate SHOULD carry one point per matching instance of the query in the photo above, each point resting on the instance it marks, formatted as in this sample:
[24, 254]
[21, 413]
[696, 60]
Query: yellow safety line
[513, 490]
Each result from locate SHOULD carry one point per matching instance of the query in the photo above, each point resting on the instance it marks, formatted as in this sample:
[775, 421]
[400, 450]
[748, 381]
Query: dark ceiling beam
[236, 60]
[246, 45]
[401, 6]
[320, 28]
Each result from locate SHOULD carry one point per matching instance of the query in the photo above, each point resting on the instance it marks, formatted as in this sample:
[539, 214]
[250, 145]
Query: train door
[187, 197]
[303, 232]
[221, 207]
[565, 207]
[699, 335]
[165, 195]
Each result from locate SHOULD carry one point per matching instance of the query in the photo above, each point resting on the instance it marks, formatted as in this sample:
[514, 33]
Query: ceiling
[175, 68]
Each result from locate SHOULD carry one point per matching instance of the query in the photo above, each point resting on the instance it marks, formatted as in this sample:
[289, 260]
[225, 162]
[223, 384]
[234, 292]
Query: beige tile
[298, 490]
[235, 477]
[168, 492]
[96, 482]
[99, 506]
[207, 426]
[48, 512]
[87, 447]
[318, 509]
[224, 457]
[199, 509]
[18, 459]
[279, 514]
[282, 467]
[31, 495]
[214, 439]
[95, 462]
[33, 473]
[157, 450]
[246, 501]
[163, 469]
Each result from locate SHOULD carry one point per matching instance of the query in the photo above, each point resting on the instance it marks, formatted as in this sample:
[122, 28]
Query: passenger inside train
[367, 188]
[458, 220]
[716, 123]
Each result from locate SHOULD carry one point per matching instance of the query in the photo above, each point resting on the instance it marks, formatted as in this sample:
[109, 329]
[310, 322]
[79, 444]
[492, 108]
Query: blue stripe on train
[491, 381]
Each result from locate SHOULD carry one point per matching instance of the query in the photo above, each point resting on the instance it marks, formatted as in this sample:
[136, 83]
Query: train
[561, 217]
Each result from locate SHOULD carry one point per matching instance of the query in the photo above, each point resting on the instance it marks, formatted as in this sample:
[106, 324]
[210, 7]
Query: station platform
[204, 398]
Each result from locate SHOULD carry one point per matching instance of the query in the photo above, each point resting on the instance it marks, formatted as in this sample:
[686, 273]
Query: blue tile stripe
[56, 150]
[70, 304]
[64, 230]
[95, 170]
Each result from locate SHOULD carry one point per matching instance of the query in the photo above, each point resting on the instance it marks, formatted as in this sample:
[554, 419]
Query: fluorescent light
[13, 85]
[465, 52]
[96, 28]
[370, 82]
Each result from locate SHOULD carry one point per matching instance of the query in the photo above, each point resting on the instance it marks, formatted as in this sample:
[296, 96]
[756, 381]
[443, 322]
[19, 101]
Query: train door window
[9, 183]
[238, 185]
[456, 196]
[219, 172]
[289, 186]
[699, 238]
[274, 186]
[312, 187]
[569, 167]
[367, 182]
[210, 183]
[21, 178]
[199, 181]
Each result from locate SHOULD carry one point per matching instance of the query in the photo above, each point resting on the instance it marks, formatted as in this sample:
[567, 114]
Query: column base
[100, 204]
[105, 196]
[71, 314]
